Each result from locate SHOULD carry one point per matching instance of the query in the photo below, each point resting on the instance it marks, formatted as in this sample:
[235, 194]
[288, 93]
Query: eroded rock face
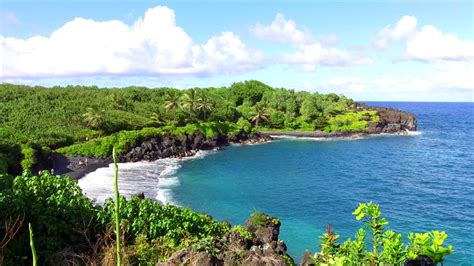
[391, 120]
[186, 145]
[262, 248]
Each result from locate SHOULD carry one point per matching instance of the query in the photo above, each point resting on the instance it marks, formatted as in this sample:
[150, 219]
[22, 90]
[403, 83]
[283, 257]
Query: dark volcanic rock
[182, 146]
[422, 260]
[391, 120]
[263, 248]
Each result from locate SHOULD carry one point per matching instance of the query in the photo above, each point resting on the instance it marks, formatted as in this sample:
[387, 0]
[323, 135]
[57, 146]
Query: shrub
[387, 246]
[246, 234]
[156, 221]
[259, 219]
[60, 214]
[351, 121]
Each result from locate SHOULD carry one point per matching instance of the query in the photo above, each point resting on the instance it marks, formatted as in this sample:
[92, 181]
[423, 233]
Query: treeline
[34, 120]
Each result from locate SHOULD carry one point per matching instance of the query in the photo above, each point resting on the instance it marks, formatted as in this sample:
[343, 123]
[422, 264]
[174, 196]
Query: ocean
[422, 181]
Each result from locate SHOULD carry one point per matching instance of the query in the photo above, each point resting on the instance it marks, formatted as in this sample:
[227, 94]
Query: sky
[366, 50]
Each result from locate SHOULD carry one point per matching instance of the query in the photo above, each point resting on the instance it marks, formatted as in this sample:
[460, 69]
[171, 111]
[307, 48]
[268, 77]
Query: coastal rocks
[186, 145]
[190, 257]
[421, 260]
[391, 120]
[261, 248]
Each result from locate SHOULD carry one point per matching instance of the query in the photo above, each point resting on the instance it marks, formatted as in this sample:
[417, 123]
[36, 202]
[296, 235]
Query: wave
[289, 137]
[355, 137]
[155, 179]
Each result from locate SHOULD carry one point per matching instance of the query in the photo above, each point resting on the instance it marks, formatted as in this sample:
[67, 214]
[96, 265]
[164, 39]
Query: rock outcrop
[391, 120]
[186, 145]
[261, 248]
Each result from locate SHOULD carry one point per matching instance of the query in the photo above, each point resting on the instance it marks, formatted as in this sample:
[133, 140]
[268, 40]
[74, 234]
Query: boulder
[421, 260]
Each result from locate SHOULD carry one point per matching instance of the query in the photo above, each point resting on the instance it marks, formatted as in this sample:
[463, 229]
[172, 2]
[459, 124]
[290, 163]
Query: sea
[422, 181]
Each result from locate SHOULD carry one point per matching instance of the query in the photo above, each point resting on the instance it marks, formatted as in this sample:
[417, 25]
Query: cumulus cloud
[282, 31]
[310, 52]
[425, 44]
[153, 45]
[308, 57]
[443, 78]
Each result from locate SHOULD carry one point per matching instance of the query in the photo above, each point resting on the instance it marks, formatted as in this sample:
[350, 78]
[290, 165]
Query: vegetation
[70, 228]
[387, 246]
[351, 121]
[32, 245]
[36, 120]
[117, 209]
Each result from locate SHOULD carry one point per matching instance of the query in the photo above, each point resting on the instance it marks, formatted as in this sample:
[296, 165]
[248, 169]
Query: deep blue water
[422, 182]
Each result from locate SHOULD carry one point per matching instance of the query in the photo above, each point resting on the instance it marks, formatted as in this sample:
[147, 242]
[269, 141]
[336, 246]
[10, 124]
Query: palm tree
[259, 113]
[172, 101]
[156, 117]
[204, 105]
[190, 100]
[94, 117]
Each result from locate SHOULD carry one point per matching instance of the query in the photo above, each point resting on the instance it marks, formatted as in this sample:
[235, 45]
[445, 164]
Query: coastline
[71, 166]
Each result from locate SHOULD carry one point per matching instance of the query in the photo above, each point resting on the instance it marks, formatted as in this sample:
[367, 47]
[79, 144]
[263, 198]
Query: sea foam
[155, 179]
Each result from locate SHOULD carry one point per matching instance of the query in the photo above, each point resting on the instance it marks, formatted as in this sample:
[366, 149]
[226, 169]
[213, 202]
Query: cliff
[256, 243]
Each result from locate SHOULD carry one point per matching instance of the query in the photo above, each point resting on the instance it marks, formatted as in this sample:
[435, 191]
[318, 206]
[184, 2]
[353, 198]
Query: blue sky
[377, 50]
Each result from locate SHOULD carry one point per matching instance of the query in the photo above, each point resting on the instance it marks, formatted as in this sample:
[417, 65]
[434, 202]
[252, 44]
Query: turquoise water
[422, 182]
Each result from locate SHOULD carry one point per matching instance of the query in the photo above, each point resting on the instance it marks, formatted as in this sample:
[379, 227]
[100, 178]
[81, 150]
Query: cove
[422, 182]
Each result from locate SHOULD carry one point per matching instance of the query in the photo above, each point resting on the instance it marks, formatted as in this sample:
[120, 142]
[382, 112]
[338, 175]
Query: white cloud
[310, 56]
[282, 31]
[426, 44]
[445, 78]
[153, 45]
[310, 52]
[403, 29]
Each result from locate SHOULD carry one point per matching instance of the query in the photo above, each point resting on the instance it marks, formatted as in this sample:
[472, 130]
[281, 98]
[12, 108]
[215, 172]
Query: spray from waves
[155, 179]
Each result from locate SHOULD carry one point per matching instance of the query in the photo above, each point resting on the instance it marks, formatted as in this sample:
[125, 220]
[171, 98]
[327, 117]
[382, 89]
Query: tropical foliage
[387, 247]
[35, 119]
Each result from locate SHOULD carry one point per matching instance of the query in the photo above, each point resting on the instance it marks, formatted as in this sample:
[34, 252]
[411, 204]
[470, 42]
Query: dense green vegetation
[36, 120]
[68, 227]
[387, 246]
[124, 140]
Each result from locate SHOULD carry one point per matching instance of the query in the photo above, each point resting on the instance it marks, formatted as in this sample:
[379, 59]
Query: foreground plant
[117, 208]
[32, 245]
[387, 246]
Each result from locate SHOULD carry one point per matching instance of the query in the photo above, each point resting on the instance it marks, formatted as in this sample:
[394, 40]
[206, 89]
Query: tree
[172, 101]
[260, 113]
[94, 117]
[156, 117]
[309, 110]
[190, 100]
[204, 104]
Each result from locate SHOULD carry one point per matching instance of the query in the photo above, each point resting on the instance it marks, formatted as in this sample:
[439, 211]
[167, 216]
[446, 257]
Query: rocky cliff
[260, 247]
[391, 120]
[186, 145]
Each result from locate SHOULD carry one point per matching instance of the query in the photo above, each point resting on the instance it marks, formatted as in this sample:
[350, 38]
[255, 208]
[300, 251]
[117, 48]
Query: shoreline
[71, 166]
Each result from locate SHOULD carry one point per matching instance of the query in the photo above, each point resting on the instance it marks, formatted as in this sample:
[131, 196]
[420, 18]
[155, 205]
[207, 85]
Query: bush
[55, 206]
[155, 221]
[351, 121]
[387, 246]
[258, 219]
